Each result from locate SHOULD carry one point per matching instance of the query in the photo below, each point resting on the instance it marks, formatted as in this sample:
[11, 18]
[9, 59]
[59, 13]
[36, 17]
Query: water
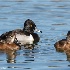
[50, 16]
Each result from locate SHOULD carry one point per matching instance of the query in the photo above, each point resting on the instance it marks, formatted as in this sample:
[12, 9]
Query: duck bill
[38, 30]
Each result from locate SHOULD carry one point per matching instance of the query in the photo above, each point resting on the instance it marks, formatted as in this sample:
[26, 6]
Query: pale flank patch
[23, 39]
[12, 40]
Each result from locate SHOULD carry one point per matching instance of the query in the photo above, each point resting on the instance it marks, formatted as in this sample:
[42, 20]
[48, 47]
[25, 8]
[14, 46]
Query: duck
[63, 45]
[26, 35]
[8, 44]
[68, 33]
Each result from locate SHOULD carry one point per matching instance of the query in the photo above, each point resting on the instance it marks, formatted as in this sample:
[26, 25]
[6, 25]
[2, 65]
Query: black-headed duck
[25, 35]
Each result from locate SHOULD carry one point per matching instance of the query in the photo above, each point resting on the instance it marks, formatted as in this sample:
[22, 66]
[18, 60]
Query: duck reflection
[66, 52]
[68, 55]
[64, 46]
[11, 55]
[29, 53]
[28, 46]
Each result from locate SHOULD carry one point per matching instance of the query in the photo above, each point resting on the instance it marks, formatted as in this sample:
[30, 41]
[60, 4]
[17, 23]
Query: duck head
[30, 27]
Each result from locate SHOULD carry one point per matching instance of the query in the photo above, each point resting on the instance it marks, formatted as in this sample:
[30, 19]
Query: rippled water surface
[50, 16]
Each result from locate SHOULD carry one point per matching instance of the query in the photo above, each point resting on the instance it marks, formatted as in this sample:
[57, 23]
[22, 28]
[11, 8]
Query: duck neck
[27, 31]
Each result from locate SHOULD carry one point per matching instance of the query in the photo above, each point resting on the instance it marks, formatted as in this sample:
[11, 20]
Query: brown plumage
[9, 44]
[62, 45]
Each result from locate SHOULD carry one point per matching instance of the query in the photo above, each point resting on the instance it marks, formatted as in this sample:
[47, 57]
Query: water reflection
[31, 47]
[11, 55]
[25, 57]
[28, 53]
[68, 55]
[67, 52]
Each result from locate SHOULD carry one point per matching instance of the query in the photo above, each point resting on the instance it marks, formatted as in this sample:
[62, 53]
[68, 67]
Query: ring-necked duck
[63, 45]
[8, 44]
[25, 35]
